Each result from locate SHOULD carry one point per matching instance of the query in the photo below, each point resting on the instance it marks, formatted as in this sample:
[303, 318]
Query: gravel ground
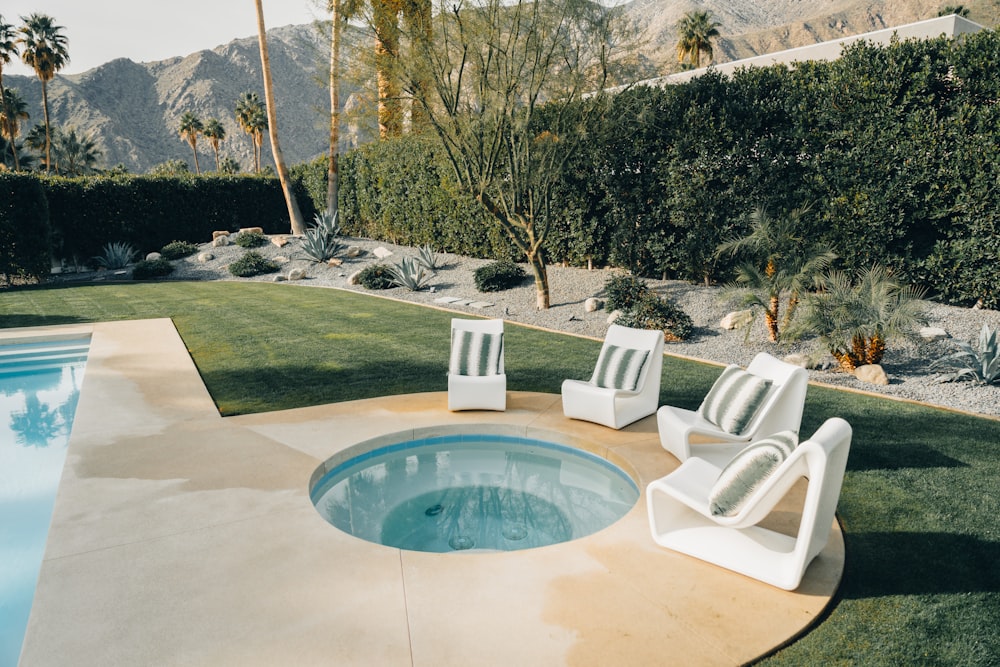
[906, 363]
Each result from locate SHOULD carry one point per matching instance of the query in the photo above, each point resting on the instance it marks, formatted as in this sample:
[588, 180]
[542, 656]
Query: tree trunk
[10, 124]
[536, 261]
[771, 318]
[272, 126]
[875, 350]
[386, 19]
[332, 175]
[48, 140]
[418, 18]
[194, 150]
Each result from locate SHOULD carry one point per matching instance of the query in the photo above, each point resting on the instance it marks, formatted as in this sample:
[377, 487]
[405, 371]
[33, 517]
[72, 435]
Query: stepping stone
[446, 299]
[461, 302]
[479, 305]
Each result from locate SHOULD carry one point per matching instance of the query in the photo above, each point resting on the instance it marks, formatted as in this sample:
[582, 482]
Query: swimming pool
[473, 492]
[39, 390]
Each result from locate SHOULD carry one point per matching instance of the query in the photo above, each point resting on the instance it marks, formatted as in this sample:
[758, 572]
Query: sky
[146, 30]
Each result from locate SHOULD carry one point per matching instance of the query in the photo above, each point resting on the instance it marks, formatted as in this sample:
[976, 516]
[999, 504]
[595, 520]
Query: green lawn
[920, 504]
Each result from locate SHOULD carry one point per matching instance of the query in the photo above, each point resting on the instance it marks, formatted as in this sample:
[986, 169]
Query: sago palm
[189, 128]
[44, 50]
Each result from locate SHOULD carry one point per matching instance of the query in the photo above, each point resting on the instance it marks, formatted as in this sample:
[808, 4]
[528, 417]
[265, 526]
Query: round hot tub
[472, 492]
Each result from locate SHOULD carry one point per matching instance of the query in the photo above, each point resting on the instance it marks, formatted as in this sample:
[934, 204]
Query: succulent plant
[319, 246]
[980, 364]
[409, 273]
[427, 257]
[116, 255]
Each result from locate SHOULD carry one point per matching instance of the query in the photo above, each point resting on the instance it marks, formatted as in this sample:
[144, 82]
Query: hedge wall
[24, 229]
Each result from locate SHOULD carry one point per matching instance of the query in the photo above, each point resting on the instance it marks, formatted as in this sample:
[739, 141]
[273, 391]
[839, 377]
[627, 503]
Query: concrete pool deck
[180, 537]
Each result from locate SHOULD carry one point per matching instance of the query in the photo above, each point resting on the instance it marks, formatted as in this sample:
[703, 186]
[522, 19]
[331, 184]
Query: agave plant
[327, 223]
[981, 365]
[116, 255]
[411, 274]
[427, 257]
[319, 247]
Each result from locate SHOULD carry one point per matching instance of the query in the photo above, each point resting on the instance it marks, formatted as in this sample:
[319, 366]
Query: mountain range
[133, 109]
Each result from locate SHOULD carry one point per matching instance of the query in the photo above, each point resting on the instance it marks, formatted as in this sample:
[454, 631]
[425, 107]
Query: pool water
[39, 391]
[474, 493]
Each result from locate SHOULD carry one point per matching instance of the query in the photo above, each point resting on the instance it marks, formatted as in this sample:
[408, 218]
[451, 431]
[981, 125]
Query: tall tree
[493, 64]
[216, 134]
[333, 171]
[189, 128]
[696, 30]
[272, 124]
[385, 21]
[252, 118]
[13, 109]
[76, 154]
[45, 51]
[8, 51]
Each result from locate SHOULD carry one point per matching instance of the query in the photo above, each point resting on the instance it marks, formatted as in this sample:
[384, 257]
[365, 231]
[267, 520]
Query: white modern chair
[780, 411]
[476, 377]
[638, 386]
[680, 517]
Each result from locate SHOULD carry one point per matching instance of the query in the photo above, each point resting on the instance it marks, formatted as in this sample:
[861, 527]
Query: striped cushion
[475, 353]
[748, 470]
[734, 399]
[619, 368]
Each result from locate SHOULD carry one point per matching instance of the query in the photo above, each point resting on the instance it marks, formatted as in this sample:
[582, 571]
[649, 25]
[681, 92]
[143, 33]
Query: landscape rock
[737, 319]
[251, 230]
[872, 374]
[281, 240]
[217, 234]
[933, 333]
[352, 252]
[614, 315]
[800, 360]
[592, 304]
[153, 256]
[382, 252]
[334, 261]
[278, 278]
[204, 257]
[280, 259]
[353, 279]
[220, 241]
[296, 274]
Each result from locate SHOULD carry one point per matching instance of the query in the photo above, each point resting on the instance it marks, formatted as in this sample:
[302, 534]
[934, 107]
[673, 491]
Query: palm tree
[215, 134]
[385, 19]
[780, 265]
[75, 154]
[272, 125]
[190, 127]
[696, 30]
[13, 109]
[252, 118]
[332, 171]
[45, 52]
[8, 51]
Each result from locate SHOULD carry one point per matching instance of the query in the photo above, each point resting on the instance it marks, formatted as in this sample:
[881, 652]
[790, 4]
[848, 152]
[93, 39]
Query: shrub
[116, 255]
[250, 240]
[178, 249]
[624, 291]
[654, 312]
[980, 364]
[25, 249]
[498, 276]
[151, 268]
[411, 274]
[252, 264]
[376, 276]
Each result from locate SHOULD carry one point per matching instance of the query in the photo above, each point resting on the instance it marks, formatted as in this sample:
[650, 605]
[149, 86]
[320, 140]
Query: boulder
[592, 304]
[933, 333]
[382, 252]
[204, 257]
[334, 261]
[153, 256]
[352, 252]
[737, 319]
[220, 241]
[353, 278]
[614, 315]
[251, 230]
[280, 259]
[800, 360]
[281, 240]
[296, 274]
[217, 234]
[278, 278]
[872, 374]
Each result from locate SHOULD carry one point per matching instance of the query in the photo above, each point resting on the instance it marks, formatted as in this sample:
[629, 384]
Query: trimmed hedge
[24, 229]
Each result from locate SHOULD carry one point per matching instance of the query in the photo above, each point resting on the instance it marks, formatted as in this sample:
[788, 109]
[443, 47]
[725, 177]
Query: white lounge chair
[681, 519]
[625, 386]
[476, 377]
[781, 410]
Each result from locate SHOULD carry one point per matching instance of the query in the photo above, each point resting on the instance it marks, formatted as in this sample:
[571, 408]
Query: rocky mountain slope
[133, 108]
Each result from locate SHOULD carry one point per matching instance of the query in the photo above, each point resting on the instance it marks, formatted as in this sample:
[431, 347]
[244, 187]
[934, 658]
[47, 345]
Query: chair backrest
[640, 339]
[479, 326]
[782, 411]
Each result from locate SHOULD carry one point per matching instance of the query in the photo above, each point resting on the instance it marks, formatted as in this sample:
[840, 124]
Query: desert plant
[151, 268]
[497, 276]
[980, 364]
[376, 276]
[855, 318]
[250, 239]
[624, 291]
[427, 257]
[116, 255]
[319, 246]
[327, 224]
[252, 264]
[410, 274]
[178, 249]
[651, 311]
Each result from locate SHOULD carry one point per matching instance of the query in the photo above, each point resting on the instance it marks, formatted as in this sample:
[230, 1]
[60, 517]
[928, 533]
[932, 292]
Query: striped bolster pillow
[475, 353]
[619, 368]
[734, 400]
[748, 470]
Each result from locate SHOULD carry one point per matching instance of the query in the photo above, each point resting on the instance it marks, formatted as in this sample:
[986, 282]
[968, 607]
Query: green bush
[250, 240]
[624, 291]
[151, 268]
[377, 276]
[252, 264]
[25, 244]
[115, 255]
[497, 276]
[654, 312]
[178, 249]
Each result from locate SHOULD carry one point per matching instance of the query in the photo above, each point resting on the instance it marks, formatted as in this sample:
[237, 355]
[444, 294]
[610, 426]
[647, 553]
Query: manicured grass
[920, 504]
